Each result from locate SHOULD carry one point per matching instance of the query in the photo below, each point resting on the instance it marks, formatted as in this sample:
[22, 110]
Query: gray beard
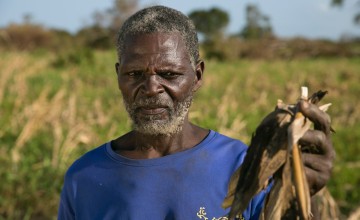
[155, 124]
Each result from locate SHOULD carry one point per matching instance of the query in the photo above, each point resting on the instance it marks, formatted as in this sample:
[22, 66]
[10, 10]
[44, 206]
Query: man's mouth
[152, 110]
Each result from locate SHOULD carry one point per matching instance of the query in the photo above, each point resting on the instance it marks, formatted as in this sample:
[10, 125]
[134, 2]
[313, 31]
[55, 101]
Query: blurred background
[59, 96]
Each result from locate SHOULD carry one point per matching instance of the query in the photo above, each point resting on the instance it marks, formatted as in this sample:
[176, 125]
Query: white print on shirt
[202, 215]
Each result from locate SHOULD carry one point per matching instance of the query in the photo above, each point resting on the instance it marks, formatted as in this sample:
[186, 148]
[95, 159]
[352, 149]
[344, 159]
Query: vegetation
[257, 25]
[56, 107]
[210, 22]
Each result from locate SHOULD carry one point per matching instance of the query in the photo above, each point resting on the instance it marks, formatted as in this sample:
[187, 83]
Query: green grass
[54, 108]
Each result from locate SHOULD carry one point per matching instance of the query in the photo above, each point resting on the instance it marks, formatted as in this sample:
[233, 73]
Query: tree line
[256, 35]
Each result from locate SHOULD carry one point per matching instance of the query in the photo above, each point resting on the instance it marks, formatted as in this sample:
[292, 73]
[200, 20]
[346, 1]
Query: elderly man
[167, 167]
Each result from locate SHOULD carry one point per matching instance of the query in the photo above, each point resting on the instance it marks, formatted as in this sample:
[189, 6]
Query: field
[55, 107]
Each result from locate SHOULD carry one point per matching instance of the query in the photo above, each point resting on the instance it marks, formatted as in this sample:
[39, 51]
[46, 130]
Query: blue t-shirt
[191, 184]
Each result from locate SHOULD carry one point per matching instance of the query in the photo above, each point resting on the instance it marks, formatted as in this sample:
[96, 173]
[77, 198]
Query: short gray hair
[161, 19]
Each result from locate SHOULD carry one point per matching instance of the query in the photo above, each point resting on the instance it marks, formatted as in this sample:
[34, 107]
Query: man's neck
[136, 145]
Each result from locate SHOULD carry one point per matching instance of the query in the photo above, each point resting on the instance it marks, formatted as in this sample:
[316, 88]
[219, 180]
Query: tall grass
[50, 114]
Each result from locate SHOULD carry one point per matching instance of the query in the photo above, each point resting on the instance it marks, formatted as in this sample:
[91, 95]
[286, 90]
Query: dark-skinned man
[167, 167]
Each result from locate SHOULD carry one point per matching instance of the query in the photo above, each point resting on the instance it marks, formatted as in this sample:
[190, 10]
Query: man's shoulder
[228, 145]
[229, 141]
[94, 156]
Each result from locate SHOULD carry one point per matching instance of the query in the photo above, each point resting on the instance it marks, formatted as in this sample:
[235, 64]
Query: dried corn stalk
[274, 154]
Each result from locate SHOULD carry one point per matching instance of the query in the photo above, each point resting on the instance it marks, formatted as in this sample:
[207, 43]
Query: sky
[314, 19]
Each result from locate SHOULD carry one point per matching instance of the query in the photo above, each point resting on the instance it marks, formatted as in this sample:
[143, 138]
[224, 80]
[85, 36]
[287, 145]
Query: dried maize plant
[274, 156]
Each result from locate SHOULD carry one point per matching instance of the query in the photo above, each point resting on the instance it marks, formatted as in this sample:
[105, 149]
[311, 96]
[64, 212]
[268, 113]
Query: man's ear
[117, 68]
[199, 71]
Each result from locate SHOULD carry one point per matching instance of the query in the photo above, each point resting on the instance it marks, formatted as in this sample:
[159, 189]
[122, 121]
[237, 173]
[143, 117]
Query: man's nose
[152, 85]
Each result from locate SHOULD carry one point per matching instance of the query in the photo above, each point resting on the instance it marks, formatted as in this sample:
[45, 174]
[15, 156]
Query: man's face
[157, 81]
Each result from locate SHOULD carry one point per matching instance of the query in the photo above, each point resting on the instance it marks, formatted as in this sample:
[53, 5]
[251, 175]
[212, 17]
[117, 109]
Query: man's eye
[167, 74]
[135, 74]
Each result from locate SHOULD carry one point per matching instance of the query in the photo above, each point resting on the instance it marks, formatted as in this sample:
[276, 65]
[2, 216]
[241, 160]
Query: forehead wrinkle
[171, 42]
[143, 50]
[176, 47]
[165, 57]
[136, 62]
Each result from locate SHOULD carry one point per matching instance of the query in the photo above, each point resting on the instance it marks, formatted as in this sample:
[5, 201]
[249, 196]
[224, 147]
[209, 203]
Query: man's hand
[318, 152]
[269, 157]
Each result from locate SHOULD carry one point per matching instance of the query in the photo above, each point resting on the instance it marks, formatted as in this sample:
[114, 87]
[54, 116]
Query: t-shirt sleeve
[66, 209]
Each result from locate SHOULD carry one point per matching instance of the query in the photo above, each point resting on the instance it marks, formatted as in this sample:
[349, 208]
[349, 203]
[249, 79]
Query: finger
[317, 145]
[317, 170]
[315, 141]
[316, 180]
[318, 163]
[321, 119]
